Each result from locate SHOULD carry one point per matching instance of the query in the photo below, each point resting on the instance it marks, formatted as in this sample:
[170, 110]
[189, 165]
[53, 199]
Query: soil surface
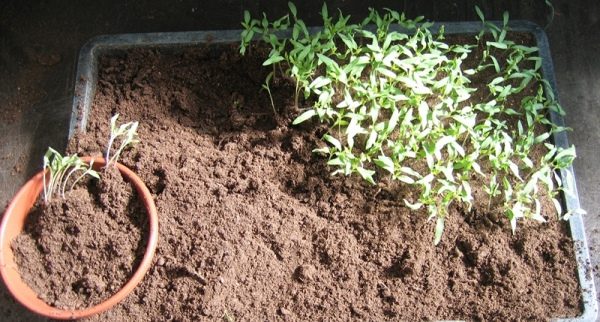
[253, 227]
[80, 250]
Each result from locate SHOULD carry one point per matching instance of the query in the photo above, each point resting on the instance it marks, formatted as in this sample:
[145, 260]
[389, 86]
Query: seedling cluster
[399, 102]
[58, 169]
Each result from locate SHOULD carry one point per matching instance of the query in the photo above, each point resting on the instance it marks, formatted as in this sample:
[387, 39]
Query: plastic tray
[86, 85]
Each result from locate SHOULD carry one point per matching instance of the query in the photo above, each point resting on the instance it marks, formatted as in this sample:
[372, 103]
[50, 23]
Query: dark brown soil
[253, 227]
[80, 250]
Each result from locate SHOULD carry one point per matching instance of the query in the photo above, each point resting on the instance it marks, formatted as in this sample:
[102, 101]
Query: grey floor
[39, 41]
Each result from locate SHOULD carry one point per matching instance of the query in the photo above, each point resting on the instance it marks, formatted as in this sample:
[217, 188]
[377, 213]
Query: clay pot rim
[12, 224]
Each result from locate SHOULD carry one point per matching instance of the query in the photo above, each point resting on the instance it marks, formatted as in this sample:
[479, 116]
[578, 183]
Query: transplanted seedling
[394, 94]
[58, 170]
[126, 132]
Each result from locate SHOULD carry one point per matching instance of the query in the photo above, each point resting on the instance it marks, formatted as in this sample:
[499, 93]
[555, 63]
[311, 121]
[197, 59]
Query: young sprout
[59, 169]
[128, 134]
[267, 87]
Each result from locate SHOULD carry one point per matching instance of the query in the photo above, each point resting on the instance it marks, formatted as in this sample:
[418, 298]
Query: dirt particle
[283, 311]
[305, 273]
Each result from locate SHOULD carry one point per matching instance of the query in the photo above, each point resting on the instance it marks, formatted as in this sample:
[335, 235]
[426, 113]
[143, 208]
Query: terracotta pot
[12, 225]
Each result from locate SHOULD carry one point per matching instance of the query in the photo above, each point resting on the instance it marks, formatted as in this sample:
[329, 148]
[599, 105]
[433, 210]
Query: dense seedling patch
[398, 102]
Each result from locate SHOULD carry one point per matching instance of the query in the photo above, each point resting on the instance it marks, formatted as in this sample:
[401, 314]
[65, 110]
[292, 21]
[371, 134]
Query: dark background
[39, 42]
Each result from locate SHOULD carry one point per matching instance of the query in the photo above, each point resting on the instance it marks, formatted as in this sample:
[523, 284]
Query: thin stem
[62, 193]
[297, 94]
[81, 177]
[46, 171]
[110, 143]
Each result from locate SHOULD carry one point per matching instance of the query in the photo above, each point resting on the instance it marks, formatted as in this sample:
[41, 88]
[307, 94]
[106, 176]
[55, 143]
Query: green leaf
[516, 213]
[335, 161]
[264, 22]
[439, 145]
[273, 59]
[537, 214]
[458, 148]
[323, 150]
[292, 8]
[496, 65]
[413, 206]
[514, 169]
[557, 206]
[324, 12]
[372, 139]
[320, 82]
[393, 120]
[479, 13]
[468, 121]
[113, 122]
[352, 130]
[477, 168]
[572, 212]
[496, 81]
[409, 82]
[304, 116]
[385, 163]
[327, 61]
[366, 174]
[565, 157]
[348, 41]
[93, 173]
[386, 72]
[510, 111]
[423, 111]
[502, 35]
[498, 45]
[542, 137]
[406, 179]
[410, 171]
[335, 142]
[303, 54]
[427, 179]
[467, 188]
